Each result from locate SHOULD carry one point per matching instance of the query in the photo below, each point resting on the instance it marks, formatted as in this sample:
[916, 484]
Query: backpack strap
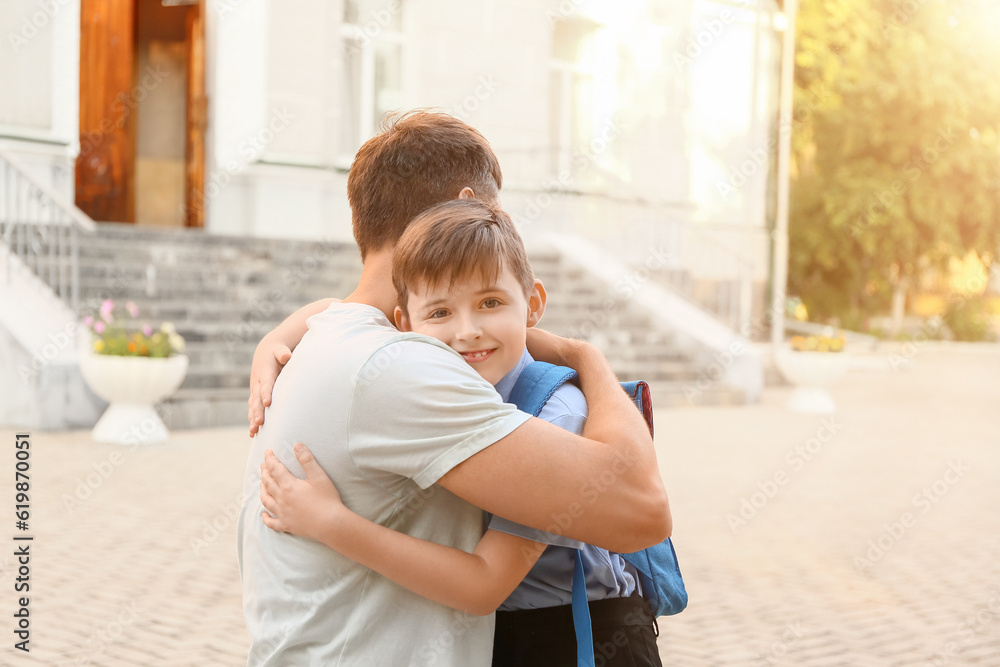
[581, 616]
[533, 389]
[536, 384]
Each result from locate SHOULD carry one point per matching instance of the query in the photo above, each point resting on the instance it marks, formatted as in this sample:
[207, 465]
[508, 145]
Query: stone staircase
[224, 293]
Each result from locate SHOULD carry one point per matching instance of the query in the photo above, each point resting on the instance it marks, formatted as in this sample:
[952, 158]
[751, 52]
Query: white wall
[274, 89]
[39, 74]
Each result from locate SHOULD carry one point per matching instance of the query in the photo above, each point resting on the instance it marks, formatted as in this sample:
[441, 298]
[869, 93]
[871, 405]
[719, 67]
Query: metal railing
[713, 266]
[41, 230]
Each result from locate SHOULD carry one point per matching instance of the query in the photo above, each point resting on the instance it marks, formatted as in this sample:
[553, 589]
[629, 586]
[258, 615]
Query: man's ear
[536, 303]
[402, 320]
[466, 193]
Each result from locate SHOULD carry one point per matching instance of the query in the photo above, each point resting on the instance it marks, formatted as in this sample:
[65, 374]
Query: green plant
[116, 334]
[969, 319]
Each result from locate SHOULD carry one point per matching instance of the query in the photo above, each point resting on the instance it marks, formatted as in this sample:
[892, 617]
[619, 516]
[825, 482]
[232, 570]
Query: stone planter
[132, 386]
[811, 372]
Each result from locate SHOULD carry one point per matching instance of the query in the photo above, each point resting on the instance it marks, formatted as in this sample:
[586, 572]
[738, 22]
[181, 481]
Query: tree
[896, 148]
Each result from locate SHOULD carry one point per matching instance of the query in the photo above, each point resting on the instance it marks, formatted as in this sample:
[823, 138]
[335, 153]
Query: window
[371, 78]
[571, 92]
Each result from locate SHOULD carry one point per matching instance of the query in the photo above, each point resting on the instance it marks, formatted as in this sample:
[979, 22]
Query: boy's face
[485, 323]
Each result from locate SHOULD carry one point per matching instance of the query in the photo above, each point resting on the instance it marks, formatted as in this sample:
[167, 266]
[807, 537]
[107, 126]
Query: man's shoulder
[406, 360]
[363, 332]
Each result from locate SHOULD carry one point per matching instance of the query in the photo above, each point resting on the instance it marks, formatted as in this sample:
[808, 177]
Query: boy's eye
[440, 312]
[491, 302]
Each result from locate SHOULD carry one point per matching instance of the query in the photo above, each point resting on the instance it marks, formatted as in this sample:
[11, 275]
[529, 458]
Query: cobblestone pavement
[871, 538]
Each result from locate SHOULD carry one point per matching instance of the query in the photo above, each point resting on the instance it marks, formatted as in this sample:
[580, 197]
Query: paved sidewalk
[869, 539]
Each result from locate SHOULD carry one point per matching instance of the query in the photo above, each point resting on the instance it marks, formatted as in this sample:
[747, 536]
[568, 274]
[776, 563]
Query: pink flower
[131, 308]
[99, 327]
[107, 306]
[147, 330]
[88, 321]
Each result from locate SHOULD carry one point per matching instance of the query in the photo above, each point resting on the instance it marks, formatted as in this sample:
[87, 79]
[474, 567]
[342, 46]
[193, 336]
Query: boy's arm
[272, 353]
[604, 489]
[476, 583]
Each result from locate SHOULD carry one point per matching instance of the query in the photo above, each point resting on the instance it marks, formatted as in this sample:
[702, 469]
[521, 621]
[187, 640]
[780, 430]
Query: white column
[780, 255]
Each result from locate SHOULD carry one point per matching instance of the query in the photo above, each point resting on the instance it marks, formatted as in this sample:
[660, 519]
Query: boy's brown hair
[457, 240]
[420, 158]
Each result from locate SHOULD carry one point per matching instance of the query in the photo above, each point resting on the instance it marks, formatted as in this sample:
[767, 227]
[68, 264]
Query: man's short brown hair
[458, 240]
[420, 158]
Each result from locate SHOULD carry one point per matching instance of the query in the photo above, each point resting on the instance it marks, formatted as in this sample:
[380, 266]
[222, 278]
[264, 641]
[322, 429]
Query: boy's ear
[402, 321]
[536, 303]
[466, 193]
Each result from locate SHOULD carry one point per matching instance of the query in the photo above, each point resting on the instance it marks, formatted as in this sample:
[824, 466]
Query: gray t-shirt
[386, 414]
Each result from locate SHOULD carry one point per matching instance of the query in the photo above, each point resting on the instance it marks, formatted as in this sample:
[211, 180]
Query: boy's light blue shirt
[550, 581]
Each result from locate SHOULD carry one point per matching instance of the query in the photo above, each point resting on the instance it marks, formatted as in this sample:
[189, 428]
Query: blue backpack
[659, 575]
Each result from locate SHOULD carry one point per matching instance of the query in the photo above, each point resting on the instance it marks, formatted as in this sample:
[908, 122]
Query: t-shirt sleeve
[567, 408]
[419, 410]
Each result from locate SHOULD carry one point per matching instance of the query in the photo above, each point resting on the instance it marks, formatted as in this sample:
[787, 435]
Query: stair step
[223, 293]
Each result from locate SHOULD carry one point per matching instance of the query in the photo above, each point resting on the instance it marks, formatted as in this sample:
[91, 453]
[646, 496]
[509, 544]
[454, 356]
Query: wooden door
[197, 108]
[105, 166]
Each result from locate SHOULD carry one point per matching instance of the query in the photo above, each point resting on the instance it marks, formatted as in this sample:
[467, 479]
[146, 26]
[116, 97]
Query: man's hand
[268, 360]
[298, 506]
[545, 346]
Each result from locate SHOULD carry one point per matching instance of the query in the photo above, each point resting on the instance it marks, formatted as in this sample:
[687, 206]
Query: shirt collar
[507, 382]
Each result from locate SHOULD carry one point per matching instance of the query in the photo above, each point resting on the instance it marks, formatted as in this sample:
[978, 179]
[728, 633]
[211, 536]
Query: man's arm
[604, 488]
[476, 582]
[272, 353]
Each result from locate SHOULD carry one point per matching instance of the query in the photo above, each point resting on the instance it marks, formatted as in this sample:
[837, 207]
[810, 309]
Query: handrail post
[41, 230]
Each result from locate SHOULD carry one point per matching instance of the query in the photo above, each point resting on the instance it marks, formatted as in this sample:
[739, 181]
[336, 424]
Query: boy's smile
[484, 322]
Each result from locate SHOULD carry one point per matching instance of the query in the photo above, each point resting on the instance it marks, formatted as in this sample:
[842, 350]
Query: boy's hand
[298, 506]
[268, 360]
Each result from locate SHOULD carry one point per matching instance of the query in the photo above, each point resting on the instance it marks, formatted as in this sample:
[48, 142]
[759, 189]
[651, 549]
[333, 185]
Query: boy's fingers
[277, 471]
[272, 523]
[282, 354]
[313, 470]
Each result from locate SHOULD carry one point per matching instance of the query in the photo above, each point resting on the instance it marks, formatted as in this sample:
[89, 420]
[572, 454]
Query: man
[416, 440]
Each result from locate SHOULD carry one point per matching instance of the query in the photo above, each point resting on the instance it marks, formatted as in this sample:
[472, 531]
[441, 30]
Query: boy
[462, 276]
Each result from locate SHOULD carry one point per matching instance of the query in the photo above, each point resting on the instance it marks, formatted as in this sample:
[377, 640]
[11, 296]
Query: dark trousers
[623, 636]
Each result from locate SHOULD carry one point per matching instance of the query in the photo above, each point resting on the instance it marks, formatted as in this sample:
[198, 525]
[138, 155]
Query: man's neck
[375, 287]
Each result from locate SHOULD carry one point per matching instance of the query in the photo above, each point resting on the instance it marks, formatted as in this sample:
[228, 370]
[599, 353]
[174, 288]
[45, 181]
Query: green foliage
[896, 147]
[969, 319]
